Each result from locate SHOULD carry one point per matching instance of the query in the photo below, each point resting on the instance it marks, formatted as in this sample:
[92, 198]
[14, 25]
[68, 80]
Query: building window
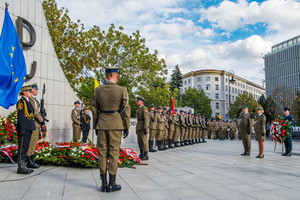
[232, 90]
[227, 106]
[216, 78]
[207, 78]
[226, 88]
[239, 91]
[184, 82]
[238, 84]
[199, 88]
[226, 96]
[208, 95]
[207, 87]
[189, 80]
[217, 95]
[232, 98]
[199, 79]
[226, 80]
[217, 105]
[235, 90]
[217, 87]
[244, 87]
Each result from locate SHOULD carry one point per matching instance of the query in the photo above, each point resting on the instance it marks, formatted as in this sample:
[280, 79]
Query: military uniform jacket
[25, 115]
[142, 118]
[37, 116]
[76, 118]
[160, 122]
[187, 121]
[172, 122]
[292, 119]
[182, 121]
[153, 120]
[86, 119]
[209, 126]
[260, 123]
[191, 122]
[204, 124]
[166, 121]
[111, 97]
[246, 123]
[176, 121]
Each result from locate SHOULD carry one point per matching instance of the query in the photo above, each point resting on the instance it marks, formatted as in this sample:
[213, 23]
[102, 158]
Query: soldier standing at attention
[25, 126]
[160, 129]
[182, 127]
[142, 128]
[35, 134]
[191, 127]
[288, 141]
[194, 129]
[245, 130]
[166, 131]
[153, 127]
[260, 131]
[197, 135]
[86, 119]
[76, 121]
[203, 130]
[209, 129]
[187, 130]
[177, 129]
[172, 119]
[232, 130]
[111, 116]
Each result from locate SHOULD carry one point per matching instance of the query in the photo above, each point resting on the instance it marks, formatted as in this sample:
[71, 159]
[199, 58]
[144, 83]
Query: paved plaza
[214, 170]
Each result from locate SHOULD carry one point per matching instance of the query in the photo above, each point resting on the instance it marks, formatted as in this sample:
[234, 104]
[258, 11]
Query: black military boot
[187, 142]
[145, 155]
[287, 153]
[171, 145]
[177, 144]
[31, 163]
[103, 183]
[190, 142]
[141, 154]
[151, 149]
[165, 144]
[22, 169]
[193, 141]
[160, 145]
[203, 140]
[112, 186]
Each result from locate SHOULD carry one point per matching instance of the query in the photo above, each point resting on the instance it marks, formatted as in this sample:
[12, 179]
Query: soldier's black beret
[176, 110]
[140, 99]
[159, 107]
[165, 109]
[151, 106]
[76, 102]
[286, 109]
[181, 111]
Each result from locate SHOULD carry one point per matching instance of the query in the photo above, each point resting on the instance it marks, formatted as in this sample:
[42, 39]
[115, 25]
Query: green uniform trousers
[190, 133]
[152, 134]
[176, 134]
[203, 133]
[142, 140]
[108, 143]
[33, 140]
[182, 134]
[76, 133]
[246, 142]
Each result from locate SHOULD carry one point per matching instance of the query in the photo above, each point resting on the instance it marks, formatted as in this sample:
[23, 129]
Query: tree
[268, 106]
[282, 97]
[176, 80]
[296, 107]
[243, 100]
[86, 91]
[197, 100]
[86, 53]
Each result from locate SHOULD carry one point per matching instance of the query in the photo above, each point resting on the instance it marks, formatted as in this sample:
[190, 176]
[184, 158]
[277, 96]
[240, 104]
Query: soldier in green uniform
[177, 129]
[85, 121]
[222, 130]
[160, 129]
[203, 129]
[25, 126]
[182, 127]
[245, 128]
[197, 134]
[233, 130]
[172, 119]
[209, 128]
[166, 131]
[187, 130]
[111, 116]
[153, 127]
[142, 128]
[191, 128]
[39, 121]
[75, 116]
[260, 131]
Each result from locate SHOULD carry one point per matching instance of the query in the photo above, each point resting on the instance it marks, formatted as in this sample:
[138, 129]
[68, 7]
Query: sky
[199, 34]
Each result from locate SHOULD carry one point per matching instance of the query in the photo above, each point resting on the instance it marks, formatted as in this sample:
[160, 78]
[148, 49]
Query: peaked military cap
[159, 107]
[112, 69]
[140, 99]
[181, 111]
[76, 102]
[286, 109]
[185, 112]
[176, 110]
[25, 88]
[165, 109]
[245, 107]
[196, 115]
[85, 108]
[34, 86]
[258, 108]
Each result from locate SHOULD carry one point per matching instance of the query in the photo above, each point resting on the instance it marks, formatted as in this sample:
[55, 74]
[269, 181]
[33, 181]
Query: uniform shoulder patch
[146, 110]
[20, 106]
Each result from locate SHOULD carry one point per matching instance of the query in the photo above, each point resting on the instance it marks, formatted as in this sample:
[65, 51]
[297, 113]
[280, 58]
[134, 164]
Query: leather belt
[140, 120]
[114, 111]
[152, 122]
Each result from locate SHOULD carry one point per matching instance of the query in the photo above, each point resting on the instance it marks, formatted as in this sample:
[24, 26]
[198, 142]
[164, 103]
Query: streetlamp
[232, 80]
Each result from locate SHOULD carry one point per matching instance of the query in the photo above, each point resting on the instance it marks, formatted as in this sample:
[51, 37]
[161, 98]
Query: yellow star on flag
[11, 54]
[12, 73]
[13, 48]
[16, 80]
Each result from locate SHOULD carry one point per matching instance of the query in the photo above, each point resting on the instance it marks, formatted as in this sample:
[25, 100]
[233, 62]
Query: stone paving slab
[214, 170]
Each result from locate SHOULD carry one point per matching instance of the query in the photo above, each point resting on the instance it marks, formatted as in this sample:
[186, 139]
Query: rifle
[82, 118]
[43, 112]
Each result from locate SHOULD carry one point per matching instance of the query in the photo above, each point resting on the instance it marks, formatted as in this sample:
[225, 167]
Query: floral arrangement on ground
[280, 129]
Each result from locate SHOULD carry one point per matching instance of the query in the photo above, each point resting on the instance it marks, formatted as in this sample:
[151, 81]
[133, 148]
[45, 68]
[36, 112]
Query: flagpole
[6, 5]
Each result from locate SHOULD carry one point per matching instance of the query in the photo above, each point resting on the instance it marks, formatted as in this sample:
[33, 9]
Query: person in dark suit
[85, 121]
[288, 141]
[25, 126]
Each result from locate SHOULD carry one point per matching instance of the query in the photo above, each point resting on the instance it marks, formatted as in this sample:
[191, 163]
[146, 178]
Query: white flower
[37, 156]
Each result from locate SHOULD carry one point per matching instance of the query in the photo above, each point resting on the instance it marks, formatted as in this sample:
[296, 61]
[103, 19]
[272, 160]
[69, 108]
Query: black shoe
[112, 186]
[193, 141]
[245, 154]
[22, 169]
[187, 142]
[182, 144]
[103, 183]
[203, 140]
[177, 144]
[260, 156]
[171, 145]
[145, 156]
[160, 145]
[31, 163]
[141, 154]
[287, 154]
[151, 149]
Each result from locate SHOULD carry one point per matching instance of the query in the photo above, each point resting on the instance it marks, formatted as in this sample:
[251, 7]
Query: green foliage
[243, 100]
[282, 98]
[296, 108]
[12, 117]
[176, 81]
[197, 100]
[8, 133]
[84, 53]
[86, 91]
[268, 106]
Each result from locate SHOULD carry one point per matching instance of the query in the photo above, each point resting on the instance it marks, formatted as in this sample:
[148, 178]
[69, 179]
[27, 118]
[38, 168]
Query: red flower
[60, 156]
[283, 131]
[66, 157]
[62, 149]
[282, 134]
[284, 124]
[275, 120]
[69, 148]
[93, 158]
[76, 145]
[281, 121]
[82, 156]
[88, 156]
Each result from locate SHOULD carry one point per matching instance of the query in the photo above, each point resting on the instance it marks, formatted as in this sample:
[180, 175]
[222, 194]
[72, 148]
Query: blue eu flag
[12, 64]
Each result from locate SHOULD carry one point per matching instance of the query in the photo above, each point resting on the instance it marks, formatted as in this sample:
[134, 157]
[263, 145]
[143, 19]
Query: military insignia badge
[146, 110]
[20, 106]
